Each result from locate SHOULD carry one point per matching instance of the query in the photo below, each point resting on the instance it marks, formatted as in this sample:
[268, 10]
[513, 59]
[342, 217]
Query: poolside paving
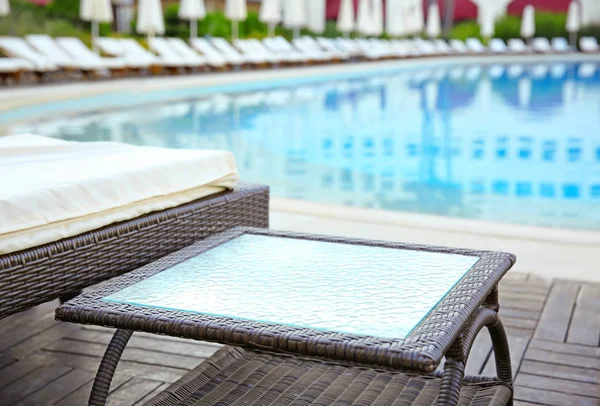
[553, 328]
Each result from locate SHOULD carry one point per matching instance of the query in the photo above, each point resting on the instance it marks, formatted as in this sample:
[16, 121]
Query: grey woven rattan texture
[40, 274]
[235, 376]
[421, 351]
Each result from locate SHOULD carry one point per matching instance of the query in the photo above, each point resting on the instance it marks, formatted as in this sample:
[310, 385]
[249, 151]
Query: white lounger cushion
[13, 65]
[16, 47]
[52, 189]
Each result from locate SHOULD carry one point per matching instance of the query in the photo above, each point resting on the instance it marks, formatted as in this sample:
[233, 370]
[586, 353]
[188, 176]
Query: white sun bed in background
[14, 67]
[232, 54]
[424, 47]
[541, 45]
[475, 46]
[560, 45]
[255, 47]
[168, 54]
[46, 46]
[115, 47]
[79, 52]
[517, 46]
[17, 48]
[458, 46]
[311, 45]
[397, 48]
[348, 46]
[330, 45]
[211, 54]
[187, 53]
[589, 44]
[368, 50]
[307, 47]
[497, 46]
[284, 49]
[442, 47]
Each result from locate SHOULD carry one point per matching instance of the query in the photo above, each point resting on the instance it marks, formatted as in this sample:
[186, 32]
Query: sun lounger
[517, 46]
[397, 48]
[85, 56]
[560, 45]
[458, 47]
[442, 47]
[541, 45]
[310, 45]
[59, 240]
[213, 57]
[18, 48]
[475, 46]
[279, 46]
[425, 47]
[368, 50]
[45, 45]
[186, 52]
[134, 52]
[233, 55]
[348, 46]
[307, 47]
[331, 46]
[173, 58]
[253, 48]
[115, 47]
[13, 68]
[589, 44]
[498, 46]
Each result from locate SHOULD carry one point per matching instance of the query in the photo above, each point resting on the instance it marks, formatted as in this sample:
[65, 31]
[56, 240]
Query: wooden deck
[553, 326]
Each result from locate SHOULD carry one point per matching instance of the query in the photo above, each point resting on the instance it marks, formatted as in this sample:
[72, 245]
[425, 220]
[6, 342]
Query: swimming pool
[514, 143]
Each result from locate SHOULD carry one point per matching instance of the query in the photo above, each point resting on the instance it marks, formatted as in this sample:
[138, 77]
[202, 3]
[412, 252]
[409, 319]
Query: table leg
[107, 367]
[458, 353]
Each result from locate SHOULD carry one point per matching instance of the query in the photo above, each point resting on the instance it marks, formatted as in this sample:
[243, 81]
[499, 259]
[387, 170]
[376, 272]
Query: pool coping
[22, 102]
[370, 216]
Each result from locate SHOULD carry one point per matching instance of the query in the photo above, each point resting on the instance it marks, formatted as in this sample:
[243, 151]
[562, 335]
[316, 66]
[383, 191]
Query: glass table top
[346, 288]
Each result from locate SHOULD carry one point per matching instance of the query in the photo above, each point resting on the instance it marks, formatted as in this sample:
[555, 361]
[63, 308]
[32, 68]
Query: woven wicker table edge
[421, 351]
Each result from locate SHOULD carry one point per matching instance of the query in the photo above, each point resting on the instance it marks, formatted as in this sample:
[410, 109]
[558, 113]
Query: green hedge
[548, 25]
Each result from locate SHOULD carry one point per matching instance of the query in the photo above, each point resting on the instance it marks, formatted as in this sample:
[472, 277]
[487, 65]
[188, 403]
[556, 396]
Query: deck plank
[585, 326]
[82, 395]
[130, 354]
[480, 352]
[560, 371]
[556, 315]
[552, 398]
[18, 369]
[132, 391]
[60, 388]
[566, 385]
[152, 343]
[40, 377]
[535, 354]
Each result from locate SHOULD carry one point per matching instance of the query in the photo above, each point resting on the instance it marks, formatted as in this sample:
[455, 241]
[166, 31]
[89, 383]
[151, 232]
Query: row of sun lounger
[42, 54]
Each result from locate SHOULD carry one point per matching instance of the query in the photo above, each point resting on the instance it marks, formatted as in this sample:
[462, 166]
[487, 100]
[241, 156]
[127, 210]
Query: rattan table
[315, 319]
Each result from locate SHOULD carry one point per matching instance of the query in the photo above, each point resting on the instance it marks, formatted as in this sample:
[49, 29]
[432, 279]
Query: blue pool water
[507, 143]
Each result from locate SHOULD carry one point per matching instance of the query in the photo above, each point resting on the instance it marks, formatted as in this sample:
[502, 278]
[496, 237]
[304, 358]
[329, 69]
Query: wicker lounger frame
[44, 273]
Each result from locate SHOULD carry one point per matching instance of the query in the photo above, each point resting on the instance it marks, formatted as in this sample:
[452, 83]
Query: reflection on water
[514, 143]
